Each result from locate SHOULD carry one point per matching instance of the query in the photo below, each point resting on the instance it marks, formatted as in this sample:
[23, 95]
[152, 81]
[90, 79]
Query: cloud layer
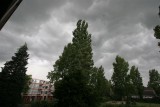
[118, 27]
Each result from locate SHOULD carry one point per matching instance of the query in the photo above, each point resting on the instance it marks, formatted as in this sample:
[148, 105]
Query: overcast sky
[118, 27]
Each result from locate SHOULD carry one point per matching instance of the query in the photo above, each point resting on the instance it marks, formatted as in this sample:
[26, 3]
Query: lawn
[148, 104]
[137, 105]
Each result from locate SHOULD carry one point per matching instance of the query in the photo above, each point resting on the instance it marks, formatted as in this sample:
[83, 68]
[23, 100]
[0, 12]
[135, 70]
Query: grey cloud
[49, 42]
[31, 14]
[118, 27]
[7, 40]
[115, 15]
[36, 10]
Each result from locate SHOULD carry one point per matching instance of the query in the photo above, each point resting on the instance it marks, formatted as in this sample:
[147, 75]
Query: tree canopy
[77, 83]
[154, 78]
[136, 80]
[12, 78]
[119, 76]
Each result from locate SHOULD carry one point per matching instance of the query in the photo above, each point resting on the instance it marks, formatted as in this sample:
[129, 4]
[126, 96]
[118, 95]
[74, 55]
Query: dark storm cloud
[31, 14]
[114, 16]
[121, 23]
[118, 27]
[6, 41]
[26, 23]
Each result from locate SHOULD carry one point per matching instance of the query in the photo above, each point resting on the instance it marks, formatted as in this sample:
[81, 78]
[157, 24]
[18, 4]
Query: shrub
[41, 104]
[120, 105]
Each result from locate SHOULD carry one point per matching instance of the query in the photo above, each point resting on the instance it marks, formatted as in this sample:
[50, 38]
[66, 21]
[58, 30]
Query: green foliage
[128, 87]
[41, 104]
[74, 75]
[157, 32]
[125, 84]
[119, 77]
[136, 81]
[121, 105]
[131, 105]
[154, 79]
[148, 105]
[12, 78]
[63, 64]
[100, 84]
[27, 83]
[72, 90]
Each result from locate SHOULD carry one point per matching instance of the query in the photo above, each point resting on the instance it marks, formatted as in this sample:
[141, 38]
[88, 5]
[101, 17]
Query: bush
[41, 104]
[120, 105]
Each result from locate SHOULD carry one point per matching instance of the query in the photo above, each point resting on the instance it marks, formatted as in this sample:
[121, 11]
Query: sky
[118, 27]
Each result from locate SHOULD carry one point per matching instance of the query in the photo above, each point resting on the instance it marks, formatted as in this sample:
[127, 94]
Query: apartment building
[40, 90]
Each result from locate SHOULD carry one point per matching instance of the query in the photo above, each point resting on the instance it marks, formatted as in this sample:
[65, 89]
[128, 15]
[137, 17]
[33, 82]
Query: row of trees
[78, 82]
[127, 82]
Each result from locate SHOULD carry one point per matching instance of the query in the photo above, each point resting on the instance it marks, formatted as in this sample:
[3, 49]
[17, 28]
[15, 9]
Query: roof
[149, 92]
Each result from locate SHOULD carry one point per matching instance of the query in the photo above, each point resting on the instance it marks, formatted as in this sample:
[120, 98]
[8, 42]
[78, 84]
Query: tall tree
[136, 80]
[119, 77]
[12, 78]
[63, 65]
[100, 84]
[73, 72]
[128, 87]
[154, 78]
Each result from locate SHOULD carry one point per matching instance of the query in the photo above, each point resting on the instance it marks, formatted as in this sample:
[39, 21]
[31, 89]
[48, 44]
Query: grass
[148, 104]
[137, 105]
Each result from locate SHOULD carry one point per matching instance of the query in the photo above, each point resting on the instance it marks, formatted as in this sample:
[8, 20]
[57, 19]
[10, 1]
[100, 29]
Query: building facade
[40, 90]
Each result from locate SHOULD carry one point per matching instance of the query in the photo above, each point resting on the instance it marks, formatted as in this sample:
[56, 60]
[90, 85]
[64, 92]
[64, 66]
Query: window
[45, 92]
[46, 87]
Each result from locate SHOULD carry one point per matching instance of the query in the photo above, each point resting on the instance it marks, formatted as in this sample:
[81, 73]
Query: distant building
[149, 93]
[7, 7]
[40, 90]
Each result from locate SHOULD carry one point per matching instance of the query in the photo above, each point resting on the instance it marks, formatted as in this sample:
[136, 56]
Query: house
[149, 93]
[40, 90]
